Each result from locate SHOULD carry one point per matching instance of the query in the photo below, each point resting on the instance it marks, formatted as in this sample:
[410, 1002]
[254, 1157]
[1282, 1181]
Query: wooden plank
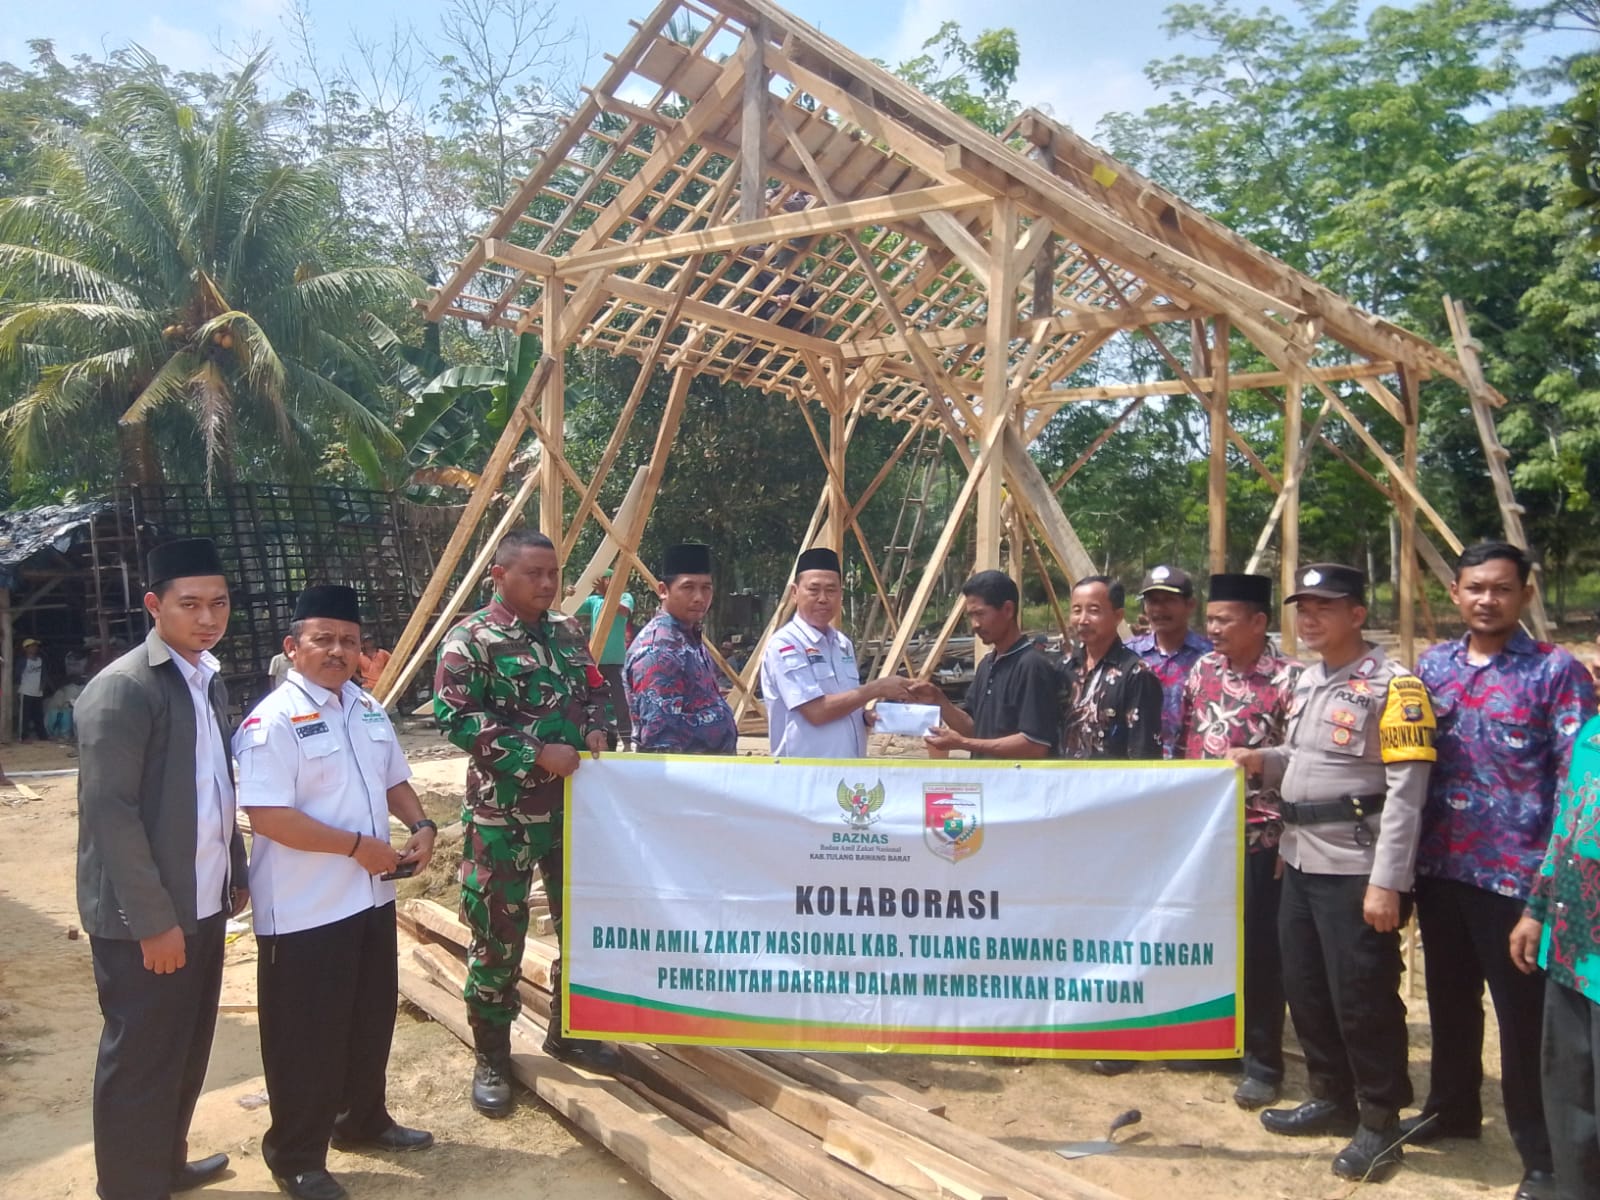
[832, 218]
[904, 1170]
[553, 411]
[752, 128]
[998, 399]
[1246, 381]
[1034, 493]
[848, 1078]
[606, 552]
[664, 1153]
[958, 239]
[1088, 321]
[1217, 467]
[1289, 542]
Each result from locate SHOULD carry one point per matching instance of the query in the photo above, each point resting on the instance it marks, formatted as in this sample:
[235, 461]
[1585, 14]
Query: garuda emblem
[860, 803]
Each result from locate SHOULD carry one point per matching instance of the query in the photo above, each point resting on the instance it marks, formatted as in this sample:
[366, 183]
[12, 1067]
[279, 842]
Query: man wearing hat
[1170, 648]
[672, 694]
[815, 698]
[517, 690]
[320, 772]
[1353, 775]
[1509, 713]
[615, 650]
[32, 688]
[1239, 696]
[161, 867]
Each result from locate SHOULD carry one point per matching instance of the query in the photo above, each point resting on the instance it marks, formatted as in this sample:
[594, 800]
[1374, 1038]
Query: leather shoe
[198, 1173]
[588, 1053]
[311, 1185]
[1426, 1128]
[1537, 1185]
[1314, 1118]
[395, 1139]
[1372, 1155]
[1252, 1094]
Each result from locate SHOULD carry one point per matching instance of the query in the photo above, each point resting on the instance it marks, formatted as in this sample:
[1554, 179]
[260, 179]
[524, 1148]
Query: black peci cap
[1247, 589]
[182, 560]
[818, 558]
[688, 558]
[332, 601]
[1330, 581]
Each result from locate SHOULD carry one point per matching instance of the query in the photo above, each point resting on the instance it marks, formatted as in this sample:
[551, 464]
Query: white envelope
[909, 720]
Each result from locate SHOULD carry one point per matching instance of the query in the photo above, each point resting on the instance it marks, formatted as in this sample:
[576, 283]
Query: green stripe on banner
[1208, 1010]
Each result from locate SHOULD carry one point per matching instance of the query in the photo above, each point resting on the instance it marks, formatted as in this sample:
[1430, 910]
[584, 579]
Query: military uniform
[1353, 776]
[502, 691]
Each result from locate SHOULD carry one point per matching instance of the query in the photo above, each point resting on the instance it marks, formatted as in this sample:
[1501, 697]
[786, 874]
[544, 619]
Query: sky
[1080, 58]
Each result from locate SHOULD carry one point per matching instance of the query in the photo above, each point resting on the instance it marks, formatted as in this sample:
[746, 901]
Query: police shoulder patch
[1407, 727]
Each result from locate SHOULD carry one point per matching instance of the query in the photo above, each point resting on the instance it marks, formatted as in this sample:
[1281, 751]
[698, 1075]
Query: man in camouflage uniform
[517, 690]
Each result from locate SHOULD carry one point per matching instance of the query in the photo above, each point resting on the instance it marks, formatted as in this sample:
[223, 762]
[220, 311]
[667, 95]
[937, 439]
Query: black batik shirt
[1016, 692]
[1112, 711]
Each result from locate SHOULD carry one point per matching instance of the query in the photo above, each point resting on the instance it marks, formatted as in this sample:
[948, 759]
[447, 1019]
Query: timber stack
[697, 1121]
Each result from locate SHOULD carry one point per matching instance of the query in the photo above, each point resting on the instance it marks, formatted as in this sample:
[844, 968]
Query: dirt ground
[1192, 1136]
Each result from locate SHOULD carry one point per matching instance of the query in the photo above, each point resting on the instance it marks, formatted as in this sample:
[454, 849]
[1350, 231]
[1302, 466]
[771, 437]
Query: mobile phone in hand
[405, 870]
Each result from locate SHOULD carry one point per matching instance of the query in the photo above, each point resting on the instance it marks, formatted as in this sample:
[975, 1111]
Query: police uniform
[326, 969]
[503, 690]
[1353, 775]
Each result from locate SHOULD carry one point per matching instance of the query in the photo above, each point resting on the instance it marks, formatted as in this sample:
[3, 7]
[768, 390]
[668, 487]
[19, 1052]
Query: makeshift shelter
[766, 207]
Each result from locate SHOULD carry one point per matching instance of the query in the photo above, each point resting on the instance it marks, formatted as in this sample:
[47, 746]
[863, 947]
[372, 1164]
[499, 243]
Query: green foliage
[973, 79]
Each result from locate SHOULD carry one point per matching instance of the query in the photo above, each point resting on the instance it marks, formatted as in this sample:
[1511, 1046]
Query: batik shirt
[504, 689]
[1112, 711]
[1506, 729]
[1171, 669]
[1566, 892]
[1224, 709]
[672, 691]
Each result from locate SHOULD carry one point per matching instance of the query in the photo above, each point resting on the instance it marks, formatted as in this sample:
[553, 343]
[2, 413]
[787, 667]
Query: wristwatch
[424, 824]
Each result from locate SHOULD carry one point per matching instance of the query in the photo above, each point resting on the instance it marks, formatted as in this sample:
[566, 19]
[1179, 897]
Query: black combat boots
[491, 1078]
[587, 1053]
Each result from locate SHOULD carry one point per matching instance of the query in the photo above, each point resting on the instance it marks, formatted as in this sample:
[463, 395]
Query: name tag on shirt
[310, 730]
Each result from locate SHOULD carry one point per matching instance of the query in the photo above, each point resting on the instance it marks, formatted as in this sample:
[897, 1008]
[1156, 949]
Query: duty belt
[1327, 812]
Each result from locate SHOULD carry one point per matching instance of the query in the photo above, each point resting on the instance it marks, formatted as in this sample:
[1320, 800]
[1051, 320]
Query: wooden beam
[997, 397]
[832, 218]
[1289, 542]
[752, 128]
[1217, 468]
[958, 239]
[1089, 321]
[1247, 381]
[1033, 492]
[554, 413]
[1406, 513]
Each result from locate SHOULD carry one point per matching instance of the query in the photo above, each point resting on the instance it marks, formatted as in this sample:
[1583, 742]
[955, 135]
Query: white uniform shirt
[215, 815]
[802, 663]
[334, 761]
[32, 683]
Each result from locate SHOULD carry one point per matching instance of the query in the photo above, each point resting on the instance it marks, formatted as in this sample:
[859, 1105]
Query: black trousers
[618, 699]
[1342, 981]
[1572, 1089]
[1466, 938]
[327, 999]
[1263, 969]
[152, 1062]
[33, 717]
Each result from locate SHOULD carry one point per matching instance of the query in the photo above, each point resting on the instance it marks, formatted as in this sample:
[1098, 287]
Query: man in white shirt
[161, 866]
[30, 687]
[320, 770]
[809, 679]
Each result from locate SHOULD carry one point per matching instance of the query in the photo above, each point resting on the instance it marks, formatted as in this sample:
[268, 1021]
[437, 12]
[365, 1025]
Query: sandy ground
[1192, 1136]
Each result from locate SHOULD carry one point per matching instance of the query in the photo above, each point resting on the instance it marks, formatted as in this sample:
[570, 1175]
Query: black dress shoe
[1314, 1118]
[396, 1138]
[1372, 1155]
[588, 1053]
[199, 1173]
[311, 1185]
[1252, 1094]
[1537, 1185]
[1426, 1128]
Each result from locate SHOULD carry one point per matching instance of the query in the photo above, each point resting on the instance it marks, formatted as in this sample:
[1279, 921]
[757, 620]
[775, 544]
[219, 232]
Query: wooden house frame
[763, 206]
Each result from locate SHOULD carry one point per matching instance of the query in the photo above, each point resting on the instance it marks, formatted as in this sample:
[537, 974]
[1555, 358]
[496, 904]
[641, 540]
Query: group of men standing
[1367, 785]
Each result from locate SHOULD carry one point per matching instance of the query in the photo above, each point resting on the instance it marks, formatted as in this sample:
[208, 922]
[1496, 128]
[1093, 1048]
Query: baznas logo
[952, 821]
[860, 805]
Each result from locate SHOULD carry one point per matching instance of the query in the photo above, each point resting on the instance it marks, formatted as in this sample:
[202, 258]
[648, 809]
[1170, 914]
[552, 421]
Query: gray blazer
[136, 796]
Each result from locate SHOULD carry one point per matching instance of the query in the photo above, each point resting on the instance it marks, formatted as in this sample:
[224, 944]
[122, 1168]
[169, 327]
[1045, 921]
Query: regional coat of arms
[860, 803]
[952, 819]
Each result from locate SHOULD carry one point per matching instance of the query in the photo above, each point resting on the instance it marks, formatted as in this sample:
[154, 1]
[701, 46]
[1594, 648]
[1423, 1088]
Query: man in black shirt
[1012, 709]
[1111, 701]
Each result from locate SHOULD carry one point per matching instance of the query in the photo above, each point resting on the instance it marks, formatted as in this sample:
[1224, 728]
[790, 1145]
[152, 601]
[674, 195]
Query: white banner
[934, 906]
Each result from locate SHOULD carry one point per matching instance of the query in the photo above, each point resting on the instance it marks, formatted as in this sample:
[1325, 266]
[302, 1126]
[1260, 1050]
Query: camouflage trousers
[496, 877]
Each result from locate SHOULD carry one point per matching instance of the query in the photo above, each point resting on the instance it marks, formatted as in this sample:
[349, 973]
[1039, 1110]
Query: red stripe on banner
[589, 1014]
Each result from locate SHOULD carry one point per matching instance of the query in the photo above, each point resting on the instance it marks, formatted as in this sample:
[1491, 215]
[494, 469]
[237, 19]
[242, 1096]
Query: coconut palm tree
[164, 266]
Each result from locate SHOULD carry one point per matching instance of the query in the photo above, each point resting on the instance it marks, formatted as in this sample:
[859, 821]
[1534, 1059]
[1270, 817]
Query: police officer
[1353, 776]
[320, 771]
[517, 690]
[809, 678]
